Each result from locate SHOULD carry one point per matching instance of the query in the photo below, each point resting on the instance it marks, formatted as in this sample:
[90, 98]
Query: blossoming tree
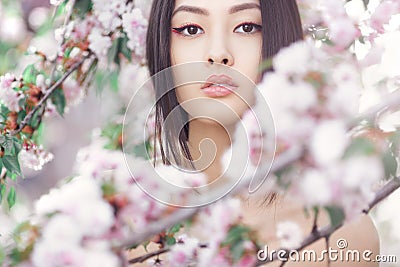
[323, 140]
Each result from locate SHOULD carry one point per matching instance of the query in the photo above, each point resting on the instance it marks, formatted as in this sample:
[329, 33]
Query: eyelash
[185, 27]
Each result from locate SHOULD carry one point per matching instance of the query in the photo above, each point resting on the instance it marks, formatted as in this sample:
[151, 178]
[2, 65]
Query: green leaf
[237, 251]
[390, 164]
[112, 55]
[8, 144]
[142, 150]
[123, 48]
[29, 74]
[113, 78]
[235, 234]
[359, 146]
[11, 164]
[174, 229]
[336, 215]
[58, 99]
[266, 64]
[61, 9]
[108, 189]
[17, 145]
[170, 240]
[82, 7]
[2, 256]
[11, 197]
[2, 191]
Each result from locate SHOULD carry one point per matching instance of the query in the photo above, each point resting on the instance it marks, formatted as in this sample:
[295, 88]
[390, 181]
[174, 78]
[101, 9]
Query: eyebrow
[204, 12]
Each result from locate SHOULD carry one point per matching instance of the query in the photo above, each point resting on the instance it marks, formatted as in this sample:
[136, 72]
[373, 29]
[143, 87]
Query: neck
[208, 141]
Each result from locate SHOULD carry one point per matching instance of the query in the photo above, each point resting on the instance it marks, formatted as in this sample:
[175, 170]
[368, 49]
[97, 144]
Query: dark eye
[190, 30]
[248, 28]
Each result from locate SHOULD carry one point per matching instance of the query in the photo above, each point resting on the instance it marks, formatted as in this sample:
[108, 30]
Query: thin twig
[327, 249]
[157, 227]
[385, 191]
[315, 225]
[157, 253]
[150, 255]
[65, 24]
[48, 94]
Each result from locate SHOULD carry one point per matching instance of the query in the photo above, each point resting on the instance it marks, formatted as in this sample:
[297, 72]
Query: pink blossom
[135, 26]
[34, 157]
[99, 43]
[8, 96]
[214, 221]
[72, 91]
[343, 32]
[108, 13]
[247, 261]
[183, 252]
[290, 234]
[383, 13]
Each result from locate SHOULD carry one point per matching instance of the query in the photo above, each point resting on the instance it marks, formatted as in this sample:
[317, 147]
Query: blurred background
[28, 23]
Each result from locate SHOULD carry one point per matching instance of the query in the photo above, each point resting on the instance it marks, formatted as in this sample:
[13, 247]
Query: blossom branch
[66, 22]
[157, 227]
[282, 161]
[314, 236]
[157, 253]
[327, 231]
[149, 255]
[48, 94]
[388, 189]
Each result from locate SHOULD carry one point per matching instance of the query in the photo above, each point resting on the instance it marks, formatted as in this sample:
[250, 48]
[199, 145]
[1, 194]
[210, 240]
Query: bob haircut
[281, 26]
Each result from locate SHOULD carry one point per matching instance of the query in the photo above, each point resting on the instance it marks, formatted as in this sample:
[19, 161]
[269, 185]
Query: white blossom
[8, 96]
[99, 43]
[290, 234]
[328, 142]
[135, 26]
[34, 157]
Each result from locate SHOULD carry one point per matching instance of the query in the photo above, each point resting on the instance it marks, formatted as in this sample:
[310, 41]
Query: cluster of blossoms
[107, 24]
[312, 109]
[217, 229]
[34, 156]
[14, 29]
[317, 99]
[8, 95]
[319, 16]
[82, 219]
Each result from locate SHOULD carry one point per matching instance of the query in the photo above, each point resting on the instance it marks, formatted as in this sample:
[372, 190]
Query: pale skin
[227, 32]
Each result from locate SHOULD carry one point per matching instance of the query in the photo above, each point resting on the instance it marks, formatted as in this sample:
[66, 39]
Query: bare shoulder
[359, 237]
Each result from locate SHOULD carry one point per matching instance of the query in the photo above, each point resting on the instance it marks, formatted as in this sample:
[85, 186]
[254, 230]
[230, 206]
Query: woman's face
[217, 32]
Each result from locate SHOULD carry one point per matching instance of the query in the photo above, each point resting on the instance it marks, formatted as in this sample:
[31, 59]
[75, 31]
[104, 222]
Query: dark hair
[281, 26]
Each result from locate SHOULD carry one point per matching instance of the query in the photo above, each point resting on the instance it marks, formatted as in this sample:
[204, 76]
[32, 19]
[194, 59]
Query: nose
[218, 52]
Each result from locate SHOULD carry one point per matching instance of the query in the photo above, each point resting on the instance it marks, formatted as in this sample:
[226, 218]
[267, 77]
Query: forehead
[213, 5]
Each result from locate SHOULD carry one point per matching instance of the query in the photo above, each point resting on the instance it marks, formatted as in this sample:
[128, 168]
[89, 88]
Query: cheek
[249, 57]
[183, 52]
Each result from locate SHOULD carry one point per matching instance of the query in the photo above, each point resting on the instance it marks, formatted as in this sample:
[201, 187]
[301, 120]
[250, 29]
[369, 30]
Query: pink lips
[218, 86]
